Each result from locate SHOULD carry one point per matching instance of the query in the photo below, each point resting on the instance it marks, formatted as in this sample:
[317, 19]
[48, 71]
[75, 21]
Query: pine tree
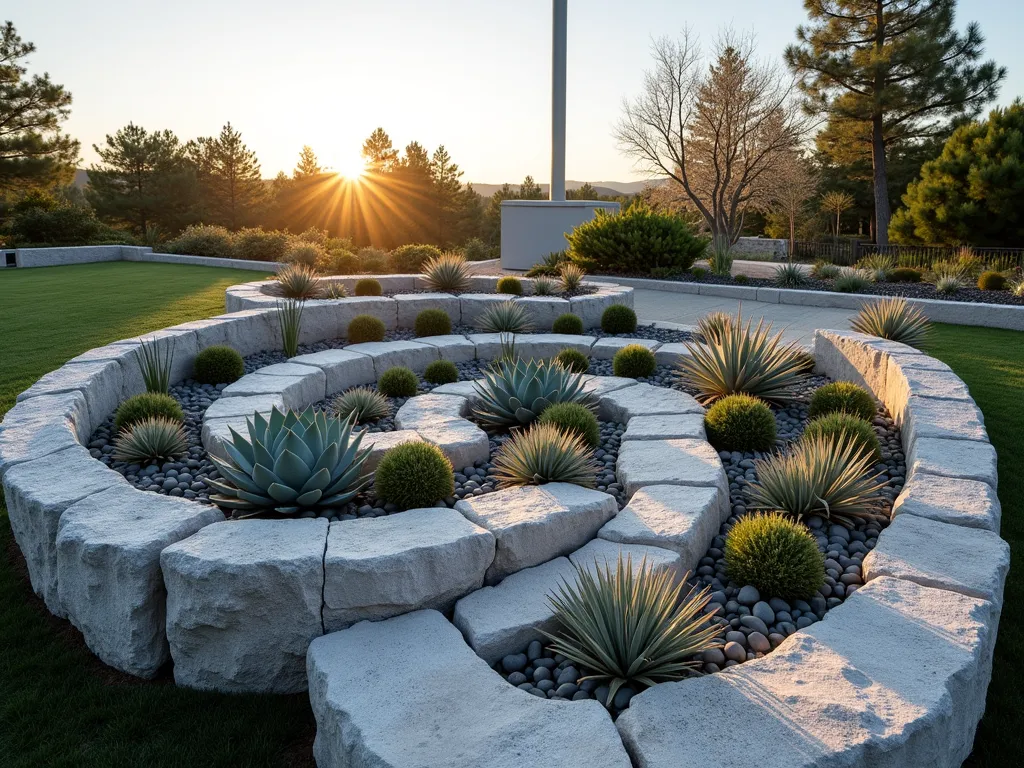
[308, 165]
[898, 66]
[229, 177]
[530, 190]
[380, 155]
[447, 184]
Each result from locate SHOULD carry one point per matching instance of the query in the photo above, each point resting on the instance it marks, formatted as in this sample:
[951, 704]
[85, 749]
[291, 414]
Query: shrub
[549, 265]
[441, 372]
[509, 284]
[545, 454]
[790, 276]
[893, 319]
[433, 322]
[345, 263]
[307, 254]
[877, 267]
[364, 328]
[635, 241]
[545, 286]
[634, 361]
[298, 281]
[618, 318]
[740, 423]
[699, 273]
[476, 249]
[740, 279]
[573, 360]
[711, 326]
[398, 382]
[573, 419]
[59, 223]
[256, 244]
[447, 273]
[840, 427]
[991, 281]
[203, 240]
[571, 276]
[410, 259]
[568, 323]
[947, 284]
[218, 365]
[361, 404]
[413, 475]
[149, 405]
[905, 275]
[850, 280]
[373, 260]
[368, 287]
[513, 394]
[824, 270]
[152, 439]
[842, 397]
[506, 317]
[777, 555]
[631, 625]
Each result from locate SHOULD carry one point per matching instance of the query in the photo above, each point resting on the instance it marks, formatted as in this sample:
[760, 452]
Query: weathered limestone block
[603, 554]
[243, 603]
[392, 354]
[247, 332]
[475, 304]
[466, 389]
[425, 410]
[969, 503]
[101, 382]
[217, 432]
[671, 354]
[383, 308]
[108, 571]
[849, 356]
[902, 383]
[534, 524]
[646, 400]
[354, 676]
[546, 345]
[242, 405]
[454, 347]
[669, 462]
[182, 344]
[438, 419]
[931, 417]
[591, 306]
[380, 443]
[544, 309]
[599, 386]
[411, 304]
[344, 369]
[968, 459]
[42, 425]
[379, 567]
[298, 385]
[665, 427]
[605, 348]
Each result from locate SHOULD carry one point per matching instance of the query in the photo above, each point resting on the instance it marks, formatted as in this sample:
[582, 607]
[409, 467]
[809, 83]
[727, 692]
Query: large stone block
[37, 494]
[452, 709]
[380, 443]
[182, 345]
[599, 386]
[411, 304]
[42, 425]
[669, 462]
[646, 400]
[438, 420]
[605, 348]
[243, 603]
[546, 345]
[671, 354]
[217, 432]
[681, 518]
[599, 555]
[969, 503]
[247, 332]
[466, 389]
[967, 459]
[544, 310]
[454, 347]
[101, 382]
[534, 524]
[383, 308]
[380, 567]
[392, 354]
[476, 304]
[687, 425]
[302, 386]
[242, 405]
[851, 357]
[108, 571]
[931, 417]
[423, 411]
[344, 369]
[901, 383]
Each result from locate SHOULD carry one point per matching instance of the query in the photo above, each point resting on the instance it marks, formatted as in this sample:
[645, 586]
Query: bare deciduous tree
[794, 184]
[719, 132]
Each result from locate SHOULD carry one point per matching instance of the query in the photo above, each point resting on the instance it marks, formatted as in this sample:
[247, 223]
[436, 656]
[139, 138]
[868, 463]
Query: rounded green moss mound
[851, 427]
[740, 423]
[618, 318]
[991, 281]
[634, 361]
[413, 475]
[574, 419]
[367, 286]
[568, 323]
[433, 322]
[218, 365]
[573, 360]
[905, 275]
[398, 382]
[149, 405]
[363, 328]
[842, 397]
[512, 285]
[441, 372]
[777, 555]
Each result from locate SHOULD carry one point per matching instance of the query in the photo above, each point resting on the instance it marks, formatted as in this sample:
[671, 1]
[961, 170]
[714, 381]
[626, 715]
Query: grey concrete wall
[90, 254]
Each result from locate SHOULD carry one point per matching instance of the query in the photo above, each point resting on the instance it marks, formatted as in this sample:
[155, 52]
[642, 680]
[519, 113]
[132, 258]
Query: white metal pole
[558, 55]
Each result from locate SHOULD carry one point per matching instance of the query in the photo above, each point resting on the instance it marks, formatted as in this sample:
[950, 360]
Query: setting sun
[352, 169]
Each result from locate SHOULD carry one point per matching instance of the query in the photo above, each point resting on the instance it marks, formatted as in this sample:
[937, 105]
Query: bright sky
[472, 75]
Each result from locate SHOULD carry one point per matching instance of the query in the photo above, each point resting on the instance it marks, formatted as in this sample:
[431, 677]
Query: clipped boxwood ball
[573, 360]
[511, 285]
[413, 475]
[398, 382]
[573, 419]
[368, 287]
[145, 406]
[568, 323]
[433, 322]
[777, 555]
[991, 281]
[441, 372]
[364, 328]
[218, 365]
[634, 361]
[618, 318]
[854, 427]
[842, 397]
[740, 423]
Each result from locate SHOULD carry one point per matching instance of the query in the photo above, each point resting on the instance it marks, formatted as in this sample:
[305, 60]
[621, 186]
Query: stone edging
[25, 258]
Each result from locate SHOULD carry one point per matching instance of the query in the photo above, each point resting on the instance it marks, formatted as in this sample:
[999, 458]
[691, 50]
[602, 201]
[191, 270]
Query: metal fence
[850, 252]
[842, 252]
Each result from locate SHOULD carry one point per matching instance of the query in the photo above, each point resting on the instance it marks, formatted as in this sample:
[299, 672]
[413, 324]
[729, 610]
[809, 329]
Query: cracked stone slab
[380, 567]
[244, 599]
[392, 354]
[100, 382]
[669, 462]
[108, 571]
[42, 425]
[665, 427]
[354, 676]
[967, 459]
[622, 405]
[969, 503]
[605, 348]
[453, 347]
[297, 385]
[534, 524]
[603, 554]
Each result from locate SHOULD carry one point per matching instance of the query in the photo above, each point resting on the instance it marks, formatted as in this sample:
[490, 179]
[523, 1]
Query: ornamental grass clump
[543, 453]
[631, 626]
[893, 319]
[362, 405]
[744, 360]
[367, 286]
[618, 318]
[572, 360]
[845, 427]
[634, 361]
[154, 438]
[510, 285]
[877, 267]
[842, 397]
[573, 419]
[414, 475]
[433, 322]
[218, 365]
[512, 394]
[948, 284]
[290, 463]
[298, 281]
[777, 555]
[571, 276]
[155, 365]
[711, 326]
[568, 324]
[333, 290]
[146, 406]
[505, 317]
[398, 382]
[790, 276]
[441, 372]
[850, 280]
[290, 316]
[545, 286]
[740, 423]
[364, 328]
[447, 273]
[818, 476]
[825, 270]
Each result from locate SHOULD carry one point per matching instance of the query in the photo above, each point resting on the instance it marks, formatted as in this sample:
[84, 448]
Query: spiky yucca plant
[744, 360]
[291, 462]
[711, 326]
[335, 291]
[790, 276]
[545, 286]
[506, 317]
[290, 316]
[155, 367]
[825, 270]
[514, 393]
[877, 267]
[298, 281]
[571, 275]
[820, 475]
[153, 439]
[947, 284]
[545, 454]
[893, 319]
[631, 626]
[448, 272]
[362, 404]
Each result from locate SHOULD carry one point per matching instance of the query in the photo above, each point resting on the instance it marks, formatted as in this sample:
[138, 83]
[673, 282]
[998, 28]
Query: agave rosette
[515, 392]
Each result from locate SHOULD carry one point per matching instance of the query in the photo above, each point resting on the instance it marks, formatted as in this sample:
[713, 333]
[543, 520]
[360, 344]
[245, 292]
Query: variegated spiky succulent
[291, 462]
[514, 393]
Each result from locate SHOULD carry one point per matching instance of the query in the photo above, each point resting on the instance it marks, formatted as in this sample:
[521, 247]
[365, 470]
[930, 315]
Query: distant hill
[610, 188]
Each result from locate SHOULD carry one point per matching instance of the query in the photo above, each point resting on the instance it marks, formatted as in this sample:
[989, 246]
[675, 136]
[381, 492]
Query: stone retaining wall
[91, 254]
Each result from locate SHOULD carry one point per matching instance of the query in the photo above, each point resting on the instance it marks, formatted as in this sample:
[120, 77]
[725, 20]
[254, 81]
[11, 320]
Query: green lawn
[60, 707]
